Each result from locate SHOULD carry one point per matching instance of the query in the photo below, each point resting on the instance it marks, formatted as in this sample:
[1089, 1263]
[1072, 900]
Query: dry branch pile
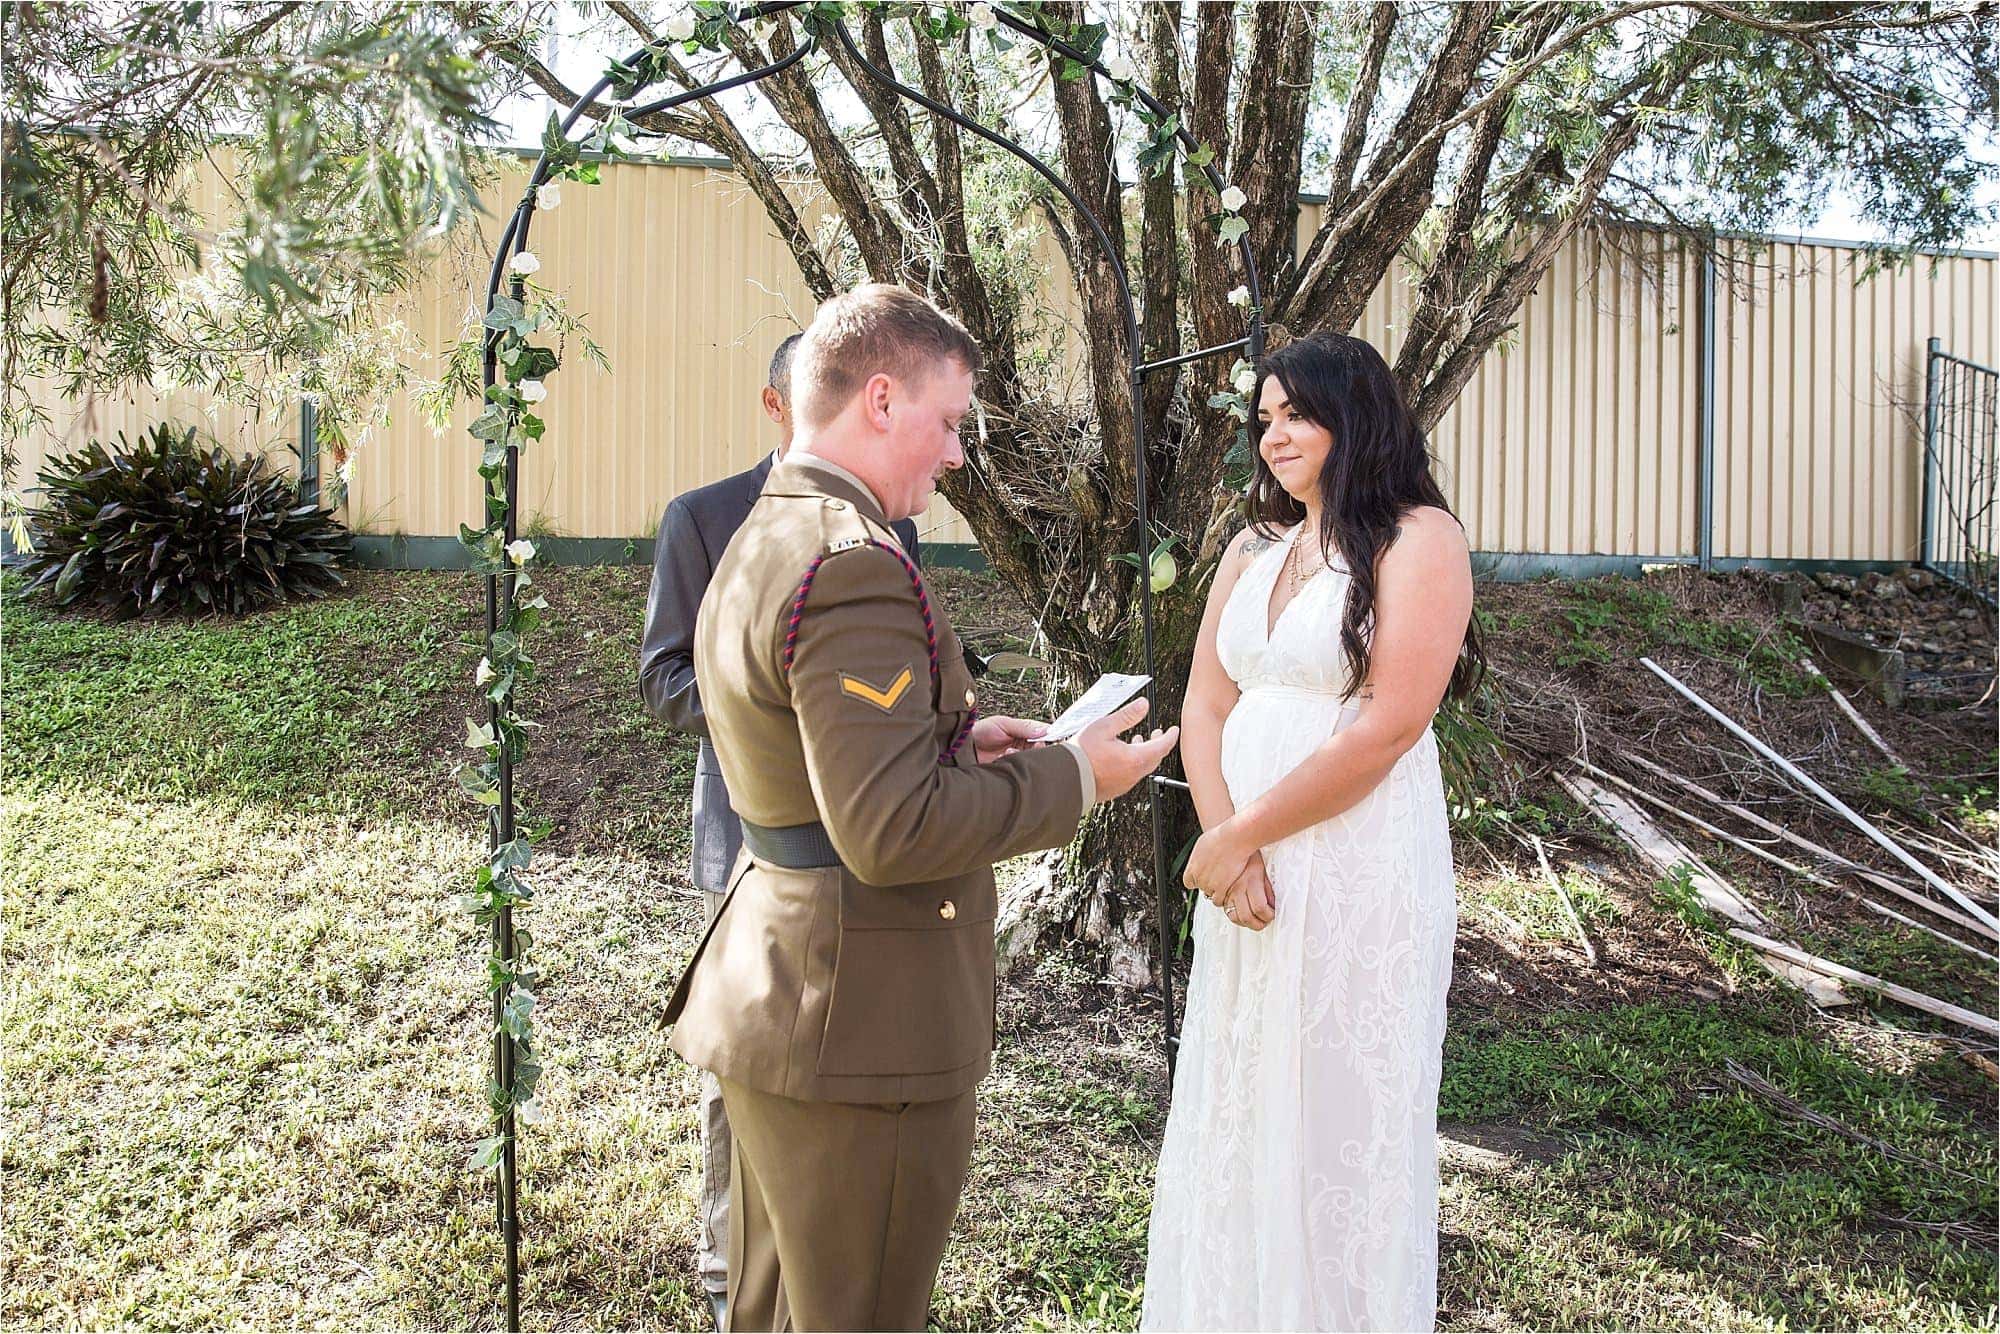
[1664, 778]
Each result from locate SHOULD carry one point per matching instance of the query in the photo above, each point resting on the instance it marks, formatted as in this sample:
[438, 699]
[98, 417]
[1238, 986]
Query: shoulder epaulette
[851, 544]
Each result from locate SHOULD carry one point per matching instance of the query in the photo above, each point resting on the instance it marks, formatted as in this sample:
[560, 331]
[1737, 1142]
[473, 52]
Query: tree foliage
[339, 140]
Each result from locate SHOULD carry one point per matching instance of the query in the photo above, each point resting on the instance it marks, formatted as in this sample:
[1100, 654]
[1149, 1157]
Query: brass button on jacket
[948, 910]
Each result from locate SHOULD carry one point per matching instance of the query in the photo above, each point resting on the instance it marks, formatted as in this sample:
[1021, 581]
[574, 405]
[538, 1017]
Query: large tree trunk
[1100, 892]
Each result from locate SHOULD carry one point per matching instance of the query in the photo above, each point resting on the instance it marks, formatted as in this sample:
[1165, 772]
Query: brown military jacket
[837, 692]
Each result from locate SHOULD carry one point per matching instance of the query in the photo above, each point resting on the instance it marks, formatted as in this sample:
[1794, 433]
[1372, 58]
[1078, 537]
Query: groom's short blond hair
[876, 328]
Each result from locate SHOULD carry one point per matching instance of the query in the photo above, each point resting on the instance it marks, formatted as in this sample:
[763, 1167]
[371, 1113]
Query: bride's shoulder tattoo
[1253, 545]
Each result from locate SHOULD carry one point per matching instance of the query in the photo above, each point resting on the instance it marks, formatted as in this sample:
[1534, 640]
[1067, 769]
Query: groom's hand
[997, 736]
[1117, 764]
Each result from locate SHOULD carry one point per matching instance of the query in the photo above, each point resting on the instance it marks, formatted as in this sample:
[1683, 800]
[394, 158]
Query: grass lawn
[244, 1033]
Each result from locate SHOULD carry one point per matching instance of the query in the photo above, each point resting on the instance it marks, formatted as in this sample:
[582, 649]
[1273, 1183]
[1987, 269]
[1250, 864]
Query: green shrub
[165, 525]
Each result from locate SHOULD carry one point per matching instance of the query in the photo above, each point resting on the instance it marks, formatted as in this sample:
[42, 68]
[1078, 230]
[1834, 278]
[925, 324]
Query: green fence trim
[377, 551]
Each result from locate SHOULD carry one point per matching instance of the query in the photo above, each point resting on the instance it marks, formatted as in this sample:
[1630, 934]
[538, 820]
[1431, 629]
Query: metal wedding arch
[500, 584]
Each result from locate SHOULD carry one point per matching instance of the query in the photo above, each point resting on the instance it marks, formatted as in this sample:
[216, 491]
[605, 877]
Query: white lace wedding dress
[1298, 1181]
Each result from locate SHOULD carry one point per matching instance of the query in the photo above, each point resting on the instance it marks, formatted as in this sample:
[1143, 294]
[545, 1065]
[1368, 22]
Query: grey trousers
[712, 1250]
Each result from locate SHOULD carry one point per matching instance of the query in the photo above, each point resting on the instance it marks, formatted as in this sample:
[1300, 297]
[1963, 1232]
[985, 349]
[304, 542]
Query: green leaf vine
[507, 422]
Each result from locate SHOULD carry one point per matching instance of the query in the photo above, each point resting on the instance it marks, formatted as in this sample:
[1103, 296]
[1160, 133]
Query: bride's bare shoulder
[1247, 545]
[1426, 535]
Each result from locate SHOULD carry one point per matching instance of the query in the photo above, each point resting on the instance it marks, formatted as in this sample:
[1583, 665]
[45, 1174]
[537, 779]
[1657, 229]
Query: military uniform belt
[801, 847]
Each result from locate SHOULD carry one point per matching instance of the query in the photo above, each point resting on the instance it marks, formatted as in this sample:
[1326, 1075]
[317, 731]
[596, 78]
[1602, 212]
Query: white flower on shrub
[533, 391]
[1246, 381]
[548, 196]
[484, 676]
[525, 263]
[1233, 199]
[1119, 68]
[1240, 296]
[520, 551]
[982, 15]
[681, 26]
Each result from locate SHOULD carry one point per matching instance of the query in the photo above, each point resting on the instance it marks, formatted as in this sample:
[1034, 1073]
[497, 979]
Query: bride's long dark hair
[1377, 470]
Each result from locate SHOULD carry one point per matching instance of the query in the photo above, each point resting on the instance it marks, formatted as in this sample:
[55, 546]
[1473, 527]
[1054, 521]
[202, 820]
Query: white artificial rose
[520, 551]
[1233, 199]
[484, 676]
[533, 391]
[1239, 296]
[1119, 68]
[681, 26]
[1246, 381]
[525, 263]
[982, 15]
[548, 196]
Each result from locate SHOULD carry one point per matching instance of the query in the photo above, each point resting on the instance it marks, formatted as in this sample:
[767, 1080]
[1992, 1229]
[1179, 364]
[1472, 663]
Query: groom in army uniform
[844, 994]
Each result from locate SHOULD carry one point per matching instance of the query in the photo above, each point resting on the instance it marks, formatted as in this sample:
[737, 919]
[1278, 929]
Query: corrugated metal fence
[1580, 436]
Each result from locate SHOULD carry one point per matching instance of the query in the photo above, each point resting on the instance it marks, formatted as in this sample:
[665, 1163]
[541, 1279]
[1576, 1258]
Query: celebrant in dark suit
[693, 534]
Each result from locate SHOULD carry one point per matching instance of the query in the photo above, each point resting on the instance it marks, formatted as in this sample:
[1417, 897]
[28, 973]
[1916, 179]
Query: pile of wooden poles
[1901, 887]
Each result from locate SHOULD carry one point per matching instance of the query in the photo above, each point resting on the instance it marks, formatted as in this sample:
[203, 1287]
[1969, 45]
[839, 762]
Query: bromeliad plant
[172, 525]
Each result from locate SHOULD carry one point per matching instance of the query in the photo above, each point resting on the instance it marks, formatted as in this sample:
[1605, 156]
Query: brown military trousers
[838, 1212]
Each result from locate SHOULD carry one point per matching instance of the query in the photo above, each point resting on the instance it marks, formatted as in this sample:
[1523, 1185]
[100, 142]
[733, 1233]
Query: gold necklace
[1296, 575]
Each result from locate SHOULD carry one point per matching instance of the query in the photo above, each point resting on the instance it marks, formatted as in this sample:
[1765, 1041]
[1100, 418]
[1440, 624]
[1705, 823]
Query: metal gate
[1961, 480]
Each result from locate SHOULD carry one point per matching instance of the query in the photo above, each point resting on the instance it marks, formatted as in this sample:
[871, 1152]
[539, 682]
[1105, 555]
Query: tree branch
[1159, 224]
[1511, 286]
[1208, 121]
[914, 183]
[1270, 129]
[1085, 132]
[880, 241]
[1398, 183]
[1367, 87]
[1442, 298]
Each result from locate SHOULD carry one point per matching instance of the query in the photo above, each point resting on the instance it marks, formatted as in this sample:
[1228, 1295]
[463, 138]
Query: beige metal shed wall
[678, 276]
[1820, 393]
[1578, 435]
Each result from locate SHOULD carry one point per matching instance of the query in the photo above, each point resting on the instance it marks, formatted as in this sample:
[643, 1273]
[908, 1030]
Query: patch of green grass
[1974, 794]
[276, 706]
[1670, 1196]
[1528, 900]
[1893, 787]
[1605, 613]
[1914, 958]
[1675, 891]
[245, 1030]
[245, 1071]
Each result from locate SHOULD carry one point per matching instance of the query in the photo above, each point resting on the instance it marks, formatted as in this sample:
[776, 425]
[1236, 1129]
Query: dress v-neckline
[1271, 623]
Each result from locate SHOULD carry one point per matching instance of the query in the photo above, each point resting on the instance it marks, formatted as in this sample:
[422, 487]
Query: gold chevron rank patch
[884, 700]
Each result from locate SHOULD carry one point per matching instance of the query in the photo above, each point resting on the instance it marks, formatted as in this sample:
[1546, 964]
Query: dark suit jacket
[693, 534]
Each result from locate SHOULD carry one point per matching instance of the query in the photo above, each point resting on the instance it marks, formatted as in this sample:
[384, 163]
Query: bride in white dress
[1298, 1181]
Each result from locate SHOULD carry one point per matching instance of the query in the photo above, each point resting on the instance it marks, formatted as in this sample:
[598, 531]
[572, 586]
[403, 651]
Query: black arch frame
[500, 586]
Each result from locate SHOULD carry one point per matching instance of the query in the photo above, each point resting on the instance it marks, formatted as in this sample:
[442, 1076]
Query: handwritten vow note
[1111, 690]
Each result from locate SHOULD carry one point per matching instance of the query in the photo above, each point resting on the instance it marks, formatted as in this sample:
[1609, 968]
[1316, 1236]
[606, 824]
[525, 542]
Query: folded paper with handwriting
[1110, 692]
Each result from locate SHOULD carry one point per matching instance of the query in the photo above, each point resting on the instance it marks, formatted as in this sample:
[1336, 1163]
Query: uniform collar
[801, 473]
